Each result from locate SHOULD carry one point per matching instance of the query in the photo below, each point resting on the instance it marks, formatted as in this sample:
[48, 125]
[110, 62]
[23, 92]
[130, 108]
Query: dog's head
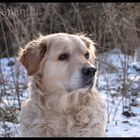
[64, 61]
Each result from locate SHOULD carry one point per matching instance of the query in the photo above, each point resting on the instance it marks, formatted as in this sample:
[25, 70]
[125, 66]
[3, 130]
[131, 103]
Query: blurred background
[115, 28]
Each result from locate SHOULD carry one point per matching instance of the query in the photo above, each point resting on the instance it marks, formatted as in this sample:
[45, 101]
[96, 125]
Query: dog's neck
[41, 97]
[37, 94]
[36, 87]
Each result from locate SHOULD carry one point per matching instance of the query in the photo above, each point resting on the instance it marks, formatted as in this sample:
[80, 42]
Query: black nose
[88, 71]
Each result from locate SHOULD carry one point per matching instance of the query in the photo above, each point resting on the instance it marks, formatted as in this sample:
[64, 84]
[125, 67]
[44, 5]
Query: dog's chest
[79, 124]
[66, 126]
[57, 126]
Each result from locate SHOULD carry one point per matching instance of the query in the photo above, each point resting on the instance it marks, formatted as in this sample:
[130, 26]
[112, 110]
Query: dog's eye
[64, 56]
[87, 55]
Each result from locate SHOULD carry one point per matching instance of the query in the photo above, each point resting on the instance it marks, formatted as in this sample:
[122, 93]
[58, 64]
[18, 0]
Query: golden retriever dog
[63, 101]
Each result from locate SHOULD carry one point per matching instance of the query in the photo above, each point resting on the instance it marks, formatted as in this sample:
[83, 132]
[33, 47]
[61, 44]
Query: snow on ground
[123, 111]
[110, 84]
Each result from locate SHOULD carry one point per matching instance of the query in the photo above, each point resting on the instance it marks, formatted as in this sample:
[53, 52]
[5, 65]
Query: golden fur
[58, 106]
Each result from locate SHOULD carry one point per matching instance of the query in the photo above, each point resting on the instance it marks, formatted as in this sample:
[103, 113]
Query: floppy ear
[31, 56]
[90, 45]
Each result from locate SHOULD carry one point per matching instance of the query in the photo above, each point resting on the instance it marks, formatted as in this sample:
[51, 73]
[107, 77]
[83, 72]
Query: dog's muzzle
[88, 74]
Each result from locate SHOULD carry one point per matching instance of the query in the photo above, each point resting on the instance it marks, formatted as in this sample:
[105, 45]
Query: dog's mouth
[87, 83]
[83, 82]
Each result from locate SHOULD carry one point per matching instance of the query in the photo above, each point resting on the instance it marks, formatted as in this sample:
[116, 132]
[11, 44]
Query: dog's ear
[31, 56]
[90, 45]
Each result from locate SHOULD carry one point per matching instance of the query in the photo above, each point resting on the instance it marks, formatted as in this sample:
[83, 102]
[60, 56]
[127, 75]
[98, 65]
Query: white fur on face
[75, 82]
